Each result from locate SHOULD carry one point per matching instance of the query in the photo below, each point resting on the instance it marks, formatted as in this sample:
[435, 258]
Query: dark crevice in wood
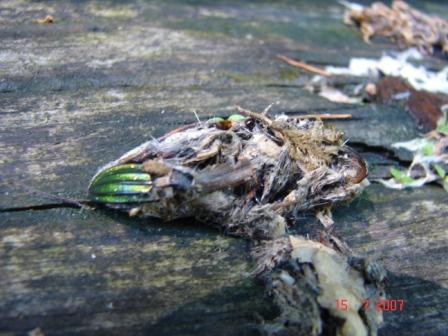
[385, 152]
[36, 207]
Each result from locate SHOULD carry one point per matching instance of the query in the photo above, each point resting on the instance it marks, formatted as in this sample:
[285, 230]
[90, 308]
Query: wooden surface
[105, 77]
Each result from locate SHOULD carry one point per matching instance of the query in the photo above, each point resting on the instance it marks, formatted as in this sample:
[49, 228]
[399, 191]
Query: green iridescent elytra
[128, 183]
[116, 199]
[120, 187]
[125, 168]
[131, 177]
[125, 183]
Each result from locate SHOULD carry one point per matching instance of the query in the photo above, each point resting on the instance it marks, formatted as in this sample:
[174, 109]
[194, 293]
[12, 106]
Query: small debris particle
[134, 211]
[371, 89]
[46, 20]
[36, 332]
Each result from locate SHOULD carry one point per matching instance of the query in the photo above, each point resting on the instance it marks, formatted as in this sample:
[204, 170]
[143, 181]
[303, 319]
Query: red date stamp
[389, 305]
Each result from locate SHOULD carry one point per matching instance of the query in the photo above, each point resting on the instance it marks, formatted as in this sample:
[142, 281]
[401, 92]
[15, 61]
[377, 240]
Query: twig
[254, 115]
[267, 121]
[197, 117]
[324, 116]
[304, 66]
[266, 110]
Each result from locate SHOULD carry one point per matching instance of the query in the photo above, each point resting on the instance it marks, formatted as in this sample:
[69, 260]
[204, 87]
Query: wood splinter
[304, 66]
[325, 116]
[267, 121]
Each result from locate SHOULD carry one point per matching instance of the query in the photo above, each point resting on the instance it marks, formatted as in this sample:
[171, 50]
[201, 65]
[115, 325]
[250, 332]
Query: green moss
[205, 34]
[111, 11]
[288, 74]
[248, 78]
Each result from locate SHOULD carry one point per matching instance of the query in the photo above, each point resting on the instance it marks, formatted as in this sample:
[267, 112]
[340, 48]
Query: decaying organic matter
[306, 278]
[246, 174]
[424, 107]
[249, 174]
[397, 65]
[401, 23]
[430, 162]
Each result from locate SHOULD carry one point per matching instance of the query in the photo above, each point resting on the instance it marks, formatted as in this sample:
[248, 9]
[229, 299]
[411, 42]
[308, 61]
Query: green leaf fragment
[401, 177]
[443, 128]
[442, 125]
[427, 149]
[236, 117]
[232, 118]
[439, 170]
[445, 183]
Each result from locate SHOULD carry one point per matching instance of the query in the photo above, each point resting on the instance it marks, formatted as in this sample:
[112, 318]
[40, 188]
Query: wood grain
[106, 76]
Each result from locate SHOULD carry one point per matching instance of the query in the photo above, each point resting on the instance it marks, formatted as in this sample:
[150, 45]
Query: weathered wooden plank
[107, 76]
[407, 231]
[85, 272]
